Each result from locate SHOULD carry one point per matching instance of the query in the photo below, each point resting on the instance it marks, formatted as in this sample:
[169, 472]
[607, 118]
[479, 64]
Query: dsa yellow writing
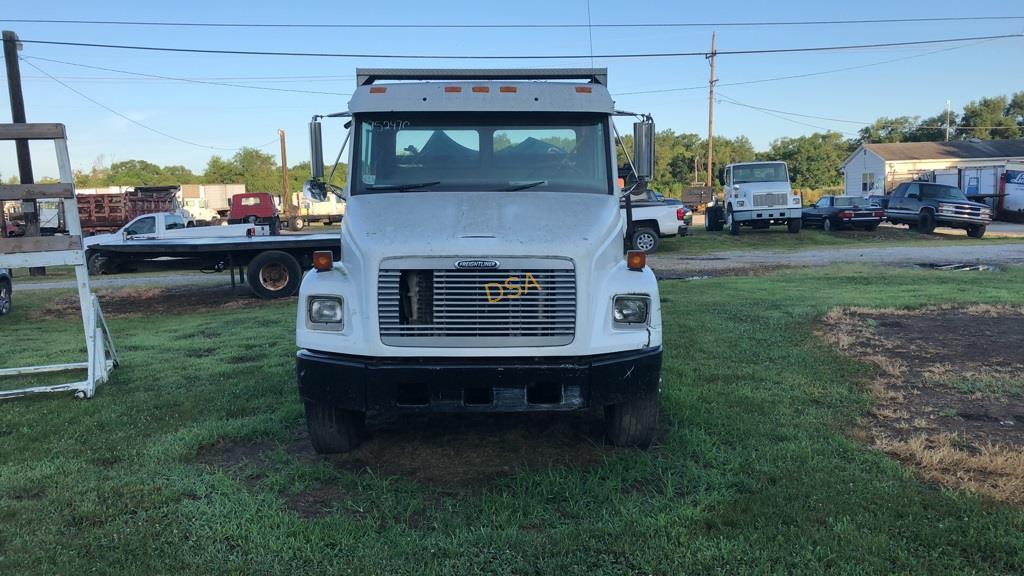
[513, 287]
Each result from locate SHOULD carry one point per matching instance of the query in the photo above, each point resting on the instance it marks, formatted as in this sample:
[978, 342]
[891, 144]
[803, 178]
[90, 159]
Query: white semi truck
[755, 194]
[482, 265]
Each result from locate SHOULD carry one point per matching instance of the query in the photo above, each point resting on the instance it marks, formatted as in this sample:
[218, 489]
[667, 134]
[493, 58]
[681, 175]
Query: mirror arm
[625, 153]
[330, 178]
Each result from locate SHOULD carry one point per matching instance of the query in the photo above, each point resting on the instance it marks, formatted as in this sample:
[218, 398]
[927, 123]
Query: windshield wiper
[409, 186]
[524, 186]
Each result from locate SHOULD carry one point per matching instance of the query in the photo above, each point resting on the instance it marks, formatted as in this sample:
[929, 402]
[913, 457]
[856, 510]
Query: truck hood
[527, 223]
[97, 239]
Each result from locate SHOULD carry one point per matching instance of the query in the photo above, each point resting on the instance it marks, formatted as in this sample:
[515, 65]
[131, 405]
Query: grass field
[699, 241]
[191, 460]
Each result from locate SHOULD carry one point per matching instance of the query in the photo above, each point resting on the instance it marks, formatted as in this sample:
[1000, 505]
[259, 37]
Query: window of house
[867, 182]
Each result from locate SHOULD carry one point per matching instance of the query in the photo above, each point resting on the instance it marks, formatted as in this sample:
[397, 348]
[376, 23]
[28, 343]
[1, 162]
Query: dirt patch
[232, 454]
[136, 302]
[319, 502]
[950, 394]
[460, 452]
[452, 454]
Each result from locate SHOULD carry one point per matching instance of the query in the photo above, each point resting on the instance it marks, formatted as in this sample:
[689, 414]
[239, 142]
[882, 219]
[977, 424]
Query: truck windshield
[941, 192]
[767, 172]
[481, 151]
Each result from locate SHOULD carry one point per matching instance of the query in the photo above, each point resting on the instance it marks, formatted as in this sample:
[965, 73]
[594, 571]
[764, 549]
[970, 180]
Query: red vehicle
[255, 208]
[103, 213]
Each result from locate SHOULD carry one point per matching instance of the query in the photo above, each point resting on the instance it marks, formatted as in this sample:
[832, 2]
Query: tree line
[814, 160]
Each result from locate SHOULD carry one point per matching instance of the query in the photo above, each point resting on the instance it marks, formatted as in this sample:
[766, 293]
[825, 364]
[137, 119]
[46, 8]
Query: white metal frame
[58, 251]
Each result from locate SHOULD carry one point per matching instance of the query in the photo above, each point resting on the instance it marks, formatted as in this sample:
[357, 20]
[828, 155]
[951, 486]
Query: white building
[976, 166]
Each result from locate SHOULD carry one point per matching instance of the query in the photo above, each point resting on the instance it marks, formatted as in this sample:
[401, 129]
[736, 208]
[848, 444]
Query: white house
[973, 165]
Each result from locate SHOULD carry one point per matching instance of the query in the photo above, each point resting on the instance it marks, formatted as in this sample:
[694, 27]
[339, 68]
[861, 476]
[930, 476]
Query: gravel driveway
[671, 266]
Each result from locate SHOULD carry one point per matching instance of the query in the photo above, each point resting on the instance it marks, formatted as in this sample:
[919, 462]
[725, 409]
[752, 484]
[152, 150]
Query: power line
[779, 115]
[188, 80]
[130, 119]
[859, 122]
[729, 24]
[835, 48]
[804, 75]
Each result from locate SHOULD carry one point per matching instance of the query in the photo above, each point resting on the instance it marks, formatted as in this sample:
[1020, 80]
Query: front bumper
[477, 384]
[778, 215]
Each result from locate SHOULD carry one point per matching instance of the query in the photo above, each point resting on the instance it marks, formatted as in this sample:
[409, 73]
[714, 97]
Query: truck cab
[482, 265]
[754, 194]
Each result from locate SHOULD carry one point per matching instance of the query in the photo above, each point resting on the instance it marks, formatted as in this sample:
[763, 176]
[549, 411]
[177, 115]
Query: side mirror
[316, 150]
[314, 190]
[721, 176]
[643, 148]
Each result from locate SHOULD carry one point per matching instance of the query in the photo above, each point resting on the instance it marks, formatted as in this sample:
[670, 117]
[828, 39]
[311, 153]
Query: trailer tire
[632, 423]
[332, 430]
[274, 274]
[976, 231]
[713, 219]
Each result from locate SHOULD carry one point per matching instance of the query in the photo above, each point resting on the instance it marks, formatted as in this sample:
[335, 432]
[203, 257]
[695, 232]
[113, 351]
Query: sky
[218, 119]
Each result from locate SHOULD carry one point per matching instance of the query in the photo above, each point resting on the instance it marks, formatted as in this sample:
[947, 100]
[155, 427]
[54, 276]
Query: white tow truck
[482, 265]
[755, 194]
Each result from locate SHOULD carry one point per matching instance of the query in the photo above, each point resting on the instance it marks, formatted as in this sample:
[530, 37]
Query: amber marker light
[636, 260]
[323, 260]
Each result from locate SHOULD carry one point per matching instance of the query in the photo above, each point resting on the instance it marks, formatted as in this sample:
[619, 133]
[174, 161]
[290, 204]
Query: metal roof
[954, 149]
[366, 76]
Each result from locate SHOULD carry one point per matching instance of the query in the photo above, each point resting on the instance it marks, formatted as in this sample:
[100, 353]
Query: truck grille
[525, 302]
[764, 200]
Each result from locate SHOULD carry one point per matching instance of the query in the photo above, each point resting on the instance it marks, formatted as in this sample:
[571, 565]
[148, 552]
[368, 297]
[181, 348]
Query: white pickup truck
[653, 219]
[482, 267]
[159, 226]
[755, 194]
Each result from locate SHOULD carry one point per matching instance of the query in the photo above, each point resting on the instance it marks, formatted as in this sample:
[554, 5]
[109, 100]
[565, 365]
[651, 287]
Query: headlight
[630, 309]
[326, 312]
[796, 199]
[740, 202]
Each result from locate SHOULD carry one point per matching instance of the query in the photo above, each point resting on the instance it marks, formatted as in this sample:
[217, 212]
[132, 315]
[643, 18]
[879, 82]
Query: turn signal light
[453, 88]
[636, 260]
[584, 89]
[378, 89]
[323, 260]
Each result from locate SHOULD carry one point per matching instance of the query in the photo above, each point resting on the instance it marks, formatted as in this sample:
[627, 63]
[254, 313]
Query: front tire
[644, 239]
[274, 274]
[976, 231]
[632, 423]
[96, 263]
[332, 430]
[926, 222]
[5, 298]
[794, 224]
[731, 223]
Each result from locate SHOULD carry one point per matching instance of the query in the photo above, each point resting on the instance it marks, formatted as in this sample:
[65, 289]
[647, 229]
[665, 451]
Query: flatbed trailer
[271, 265]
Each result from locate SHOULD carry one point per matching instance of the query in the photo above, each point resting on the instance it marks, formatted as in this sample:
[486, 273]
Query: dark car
[926, 205]
[835, 212]
[6, 287]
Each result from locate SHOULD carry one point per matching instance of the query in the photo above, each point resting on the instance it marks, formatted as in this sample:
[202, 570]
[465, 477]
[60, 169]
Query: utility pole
[711, 112]
[28, 207]
[947, 120]
[289, 206]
